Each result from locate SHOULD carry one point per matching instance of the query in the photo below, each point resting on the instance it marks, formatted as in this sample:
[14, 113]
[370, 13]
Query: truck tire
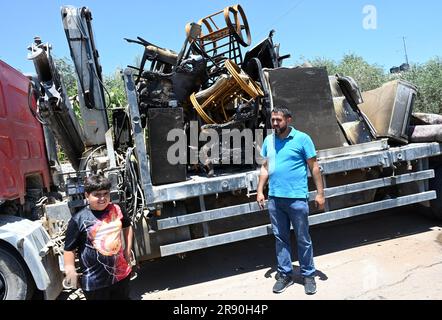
[436, 184]
[15, 280]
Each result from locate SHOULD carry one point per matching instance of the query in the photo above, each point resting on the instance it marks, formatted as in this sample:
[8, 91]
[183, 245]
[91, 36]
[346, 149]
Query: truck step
[246, 208]
[211, 241]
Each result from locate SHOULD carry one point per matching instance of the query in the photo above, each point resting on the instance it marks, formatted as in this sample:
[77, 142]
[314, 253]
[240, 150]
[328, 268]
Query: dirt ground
[394, 254]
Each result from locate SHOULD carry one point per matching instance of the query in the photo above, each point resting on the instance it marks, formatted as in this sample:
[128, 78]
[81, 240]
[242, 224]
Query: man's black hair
[96, 183]
[283, 109]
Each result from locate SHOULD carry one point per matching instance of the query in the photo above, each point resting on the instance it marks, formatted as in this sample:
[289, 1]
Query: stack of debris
[211, 83]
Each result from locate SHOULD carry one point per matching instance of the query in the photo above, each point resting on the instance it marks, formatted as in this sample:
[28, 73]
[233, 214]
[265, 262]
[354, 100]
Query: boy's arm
[71, 275]
[70, 247]
[128, 240]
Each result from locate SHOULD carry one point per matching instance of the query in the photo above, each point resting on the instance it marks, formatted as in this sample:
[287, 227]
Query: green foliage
[331, 65]
[428, 79]
[114, 93]
[115, 87]
[368, 76]
[114, 90]
[67, 73]
[61, 155]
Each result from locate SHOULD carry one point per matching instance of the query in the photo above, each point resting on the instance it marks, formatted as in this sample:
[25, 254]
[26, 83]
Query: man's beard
[280, 131]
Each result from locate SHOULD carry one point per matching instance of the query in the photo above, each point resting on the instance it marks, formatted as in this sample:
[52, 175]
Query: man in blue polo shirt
[287, 154]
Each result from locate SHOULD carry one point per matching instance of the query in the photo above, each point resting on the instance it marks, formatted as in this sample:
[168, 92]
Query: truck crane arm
[54, 107]
[78, 29]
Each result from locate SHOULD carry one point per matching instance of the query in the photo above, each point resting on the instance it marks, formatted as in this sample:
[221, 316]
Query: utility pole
[405, 49]
[404, 66]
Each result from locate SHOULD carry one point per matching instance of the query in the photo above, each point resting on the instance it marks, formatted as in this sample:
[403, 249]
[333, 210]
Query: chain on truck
[374, 152]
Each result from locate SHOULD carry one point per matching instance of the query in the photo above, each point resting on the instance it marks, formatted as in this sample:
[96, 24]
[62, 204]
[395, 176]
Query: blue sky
[304, 28]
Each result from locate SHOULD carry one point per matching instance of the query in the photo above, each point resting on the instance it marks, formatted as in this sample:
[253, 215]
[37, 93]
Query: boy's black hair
[96, 183]
[284, 110]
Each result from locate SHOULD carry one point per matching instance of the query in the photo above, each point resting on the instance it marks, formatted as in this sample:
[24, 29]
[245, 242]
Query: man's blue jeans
[282, 212]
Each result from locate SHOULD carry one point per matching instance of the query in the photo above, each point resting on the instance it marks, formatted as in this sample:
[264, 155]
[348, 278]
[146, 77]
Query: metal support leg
[326, 204]
[138, 132]
[423, 185]
[203, 208]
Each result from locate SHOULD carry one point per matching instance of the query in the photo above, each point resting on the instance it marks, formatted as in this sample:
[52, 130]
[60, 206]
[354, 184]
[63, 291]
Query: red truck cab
[22, 144]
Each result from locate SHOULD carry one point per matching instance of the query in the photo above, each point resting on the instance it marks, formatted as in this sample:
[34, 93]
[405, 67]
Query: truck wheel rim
[2, 287]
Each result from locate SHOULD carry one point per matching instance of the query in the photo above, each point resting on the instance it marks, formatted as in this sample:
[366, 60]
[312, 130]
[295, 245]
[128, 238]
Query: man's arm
[263, 177]
[316, 174]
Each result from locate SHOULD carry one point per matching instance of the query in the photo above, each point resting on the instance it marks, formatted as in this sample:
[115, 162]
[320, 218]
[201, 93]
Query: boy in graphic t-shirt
[95, 233]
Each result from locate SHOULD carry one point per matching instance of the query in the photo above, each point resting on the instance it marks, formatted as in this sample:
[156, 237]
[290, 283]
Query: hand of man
[71, 278]
[260, 198]
[320, 201]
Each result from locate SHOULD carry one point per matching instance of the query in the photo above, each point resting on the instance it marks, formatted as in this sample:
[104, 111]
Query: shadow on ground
[258, 254]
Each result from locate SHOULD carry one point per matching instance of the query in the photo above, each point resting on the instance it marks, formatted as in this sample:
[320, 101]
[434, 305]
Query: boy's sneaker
[282, 283]
[309, 285]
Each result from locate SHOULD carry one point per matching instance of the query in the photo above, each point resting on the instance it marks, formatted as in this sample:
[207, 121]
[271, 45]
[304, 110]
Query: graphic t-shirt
[98, 237]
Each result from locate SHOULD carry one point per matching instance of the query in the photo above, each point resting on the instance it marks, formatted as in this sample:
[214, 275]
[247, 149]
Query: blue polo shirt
[287, 163]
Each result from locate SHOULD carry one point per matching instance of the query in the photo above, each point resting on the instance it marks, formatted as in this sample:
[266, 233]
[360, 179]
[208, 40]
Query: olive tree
[427, 78]
[368, 76]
